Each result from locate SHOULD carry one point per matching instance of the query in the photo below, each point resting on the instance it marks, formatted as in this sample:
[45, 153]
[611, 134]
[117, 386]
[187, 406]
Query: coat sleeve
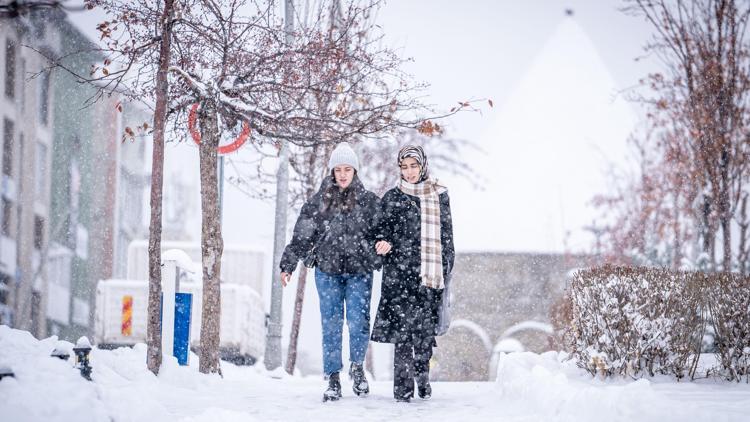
[384, 218]
[371, 235]
[375, 213]
[446, 232]
[303, 237]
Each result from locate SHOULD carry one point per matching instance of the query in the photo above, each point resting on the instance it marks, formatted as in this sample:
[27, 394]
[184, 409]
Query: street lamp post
[272, 355]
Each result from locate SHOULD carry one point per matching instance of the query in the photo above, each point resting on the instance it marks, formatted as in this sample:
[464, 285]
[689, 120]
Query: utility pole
[272, 356]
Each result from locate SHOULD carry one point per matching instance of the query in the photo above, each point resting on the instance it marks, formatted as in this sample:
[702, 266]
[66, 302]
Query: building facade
[27, 138]
[73, 191]
[500, 300]
[99, 185]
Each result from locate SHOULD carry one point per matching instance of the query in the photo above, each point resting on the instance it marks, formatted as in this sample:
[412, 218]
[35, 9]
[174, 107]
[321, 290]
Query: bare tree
[648, 214]
[698, 113]
[137, 53]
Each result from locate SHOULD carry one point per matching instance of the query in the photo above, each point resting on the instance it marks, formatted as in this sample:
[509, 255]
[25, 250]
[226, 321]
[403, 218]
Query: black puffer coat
[407, 311]
[345, 241]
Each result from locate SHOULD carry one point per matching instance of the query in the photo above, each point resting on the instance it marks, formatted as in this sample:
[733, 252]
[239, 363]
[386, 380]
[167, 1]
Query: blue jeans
[333, 291]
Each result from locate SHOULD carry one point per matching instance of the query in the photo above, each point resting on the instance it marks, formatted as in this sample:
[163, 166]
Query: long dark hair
[340, 200]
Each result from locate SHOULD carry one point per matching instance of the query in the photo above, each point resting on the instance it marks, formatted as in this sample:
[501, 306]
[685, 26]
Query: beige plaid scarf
[431, 267]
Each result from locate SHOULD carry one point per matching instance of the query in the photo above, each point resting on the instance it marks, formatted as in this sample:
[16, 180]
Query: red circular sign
[222, 149]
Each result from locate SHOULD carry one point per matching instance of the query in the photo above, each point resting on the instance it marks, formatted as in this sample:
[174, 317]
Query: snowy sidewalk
[531, 388]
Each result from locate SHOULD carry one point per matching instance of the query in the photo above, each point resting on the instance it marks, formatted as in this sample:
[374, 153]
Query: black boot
[424, 390]
[333, 392]
[360, 386]
[403, 399]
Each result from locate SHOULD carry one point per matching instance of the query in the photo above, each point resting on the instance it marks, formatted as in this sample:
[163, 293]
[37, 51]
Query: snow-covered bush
[728, 299]
[636, 321]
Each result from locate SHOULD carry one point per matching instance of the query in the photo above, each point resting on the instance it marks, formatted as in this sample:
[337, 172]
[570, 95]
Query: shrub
[632, 321]
[635, 321]
[728, 299]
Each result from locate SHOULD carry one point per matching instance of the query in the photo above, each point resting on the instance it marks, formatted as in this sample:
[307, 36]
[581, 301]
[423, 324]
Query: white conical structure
[546, 153]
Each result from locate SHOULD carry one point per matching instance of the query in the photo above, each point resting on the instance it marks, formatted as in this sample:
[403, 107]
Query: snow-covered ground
[530, 387]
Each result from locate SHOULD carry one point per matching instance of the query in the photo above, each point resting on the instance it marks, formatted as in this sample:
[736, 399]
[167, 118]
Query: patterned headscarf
[416, 152]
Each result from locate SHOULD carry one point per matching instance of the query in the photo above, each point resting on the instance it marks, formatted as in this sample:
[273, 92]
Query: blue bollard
[182, 307]
[181, 338]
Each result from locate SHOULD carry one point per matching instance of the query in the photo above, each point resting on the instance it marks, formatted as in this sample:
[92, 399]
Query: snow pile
[530, 387]
[554, 388]
[48, 388]
[44, 387]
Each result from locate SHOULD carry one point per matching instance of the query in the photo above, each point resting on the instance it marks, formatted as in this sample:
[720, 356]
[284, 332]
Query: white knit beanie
[343, 154]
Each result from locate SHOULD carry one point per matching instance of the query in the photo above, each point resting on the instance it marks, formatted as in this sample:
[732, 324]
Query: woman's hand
[382, 247]
[285, 278]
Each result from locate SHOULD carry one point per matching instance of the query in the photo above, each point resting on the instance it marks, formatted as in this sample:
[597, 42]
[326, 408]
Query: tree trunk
[709, 233]
[291, 357]
[153, 328]
[742, 254]
[725, 213]
[212, 244]
[677, 257]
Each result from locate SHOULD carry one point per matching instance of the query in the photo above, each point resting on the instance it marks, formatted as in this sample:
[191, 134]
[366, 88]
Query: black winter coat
[344, 241]
[407, 311]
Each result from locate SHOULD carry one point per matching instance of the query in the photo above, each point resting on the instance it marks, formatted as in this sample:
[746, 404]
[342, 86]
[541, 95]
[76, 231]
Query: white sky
[554, 80]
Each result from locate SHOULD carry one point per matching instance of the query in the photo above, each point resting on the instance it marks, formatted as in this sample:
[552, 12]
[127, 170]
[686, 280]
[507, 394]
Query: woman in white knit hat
[416, 239]
[335, 234]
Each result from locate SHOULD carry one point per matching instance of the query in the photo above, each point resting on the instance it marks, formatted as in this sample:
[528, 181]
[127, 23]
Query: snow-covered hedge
[728, 300]
[636, 321]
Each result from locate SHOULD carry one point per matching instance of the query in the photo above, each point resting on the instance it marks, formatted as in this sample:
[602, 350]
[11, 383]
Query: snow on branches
[633, 320]
[647, 321]
[327, 81]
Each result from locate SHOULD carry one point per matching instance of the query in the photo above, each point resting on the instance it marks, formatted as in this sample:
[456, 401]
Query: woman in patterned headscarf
[416, 240]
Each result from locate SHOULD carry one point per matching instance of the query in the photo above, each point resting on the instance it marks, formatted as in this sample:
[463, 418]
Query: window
[38, 232]
[10, 68]
[40, 171]
[44, 97]
[7, 216]
[8, 147]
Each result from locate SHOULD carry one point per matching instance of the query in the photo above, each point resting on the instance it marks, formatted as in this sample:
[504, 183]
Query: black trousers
[411, 361]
